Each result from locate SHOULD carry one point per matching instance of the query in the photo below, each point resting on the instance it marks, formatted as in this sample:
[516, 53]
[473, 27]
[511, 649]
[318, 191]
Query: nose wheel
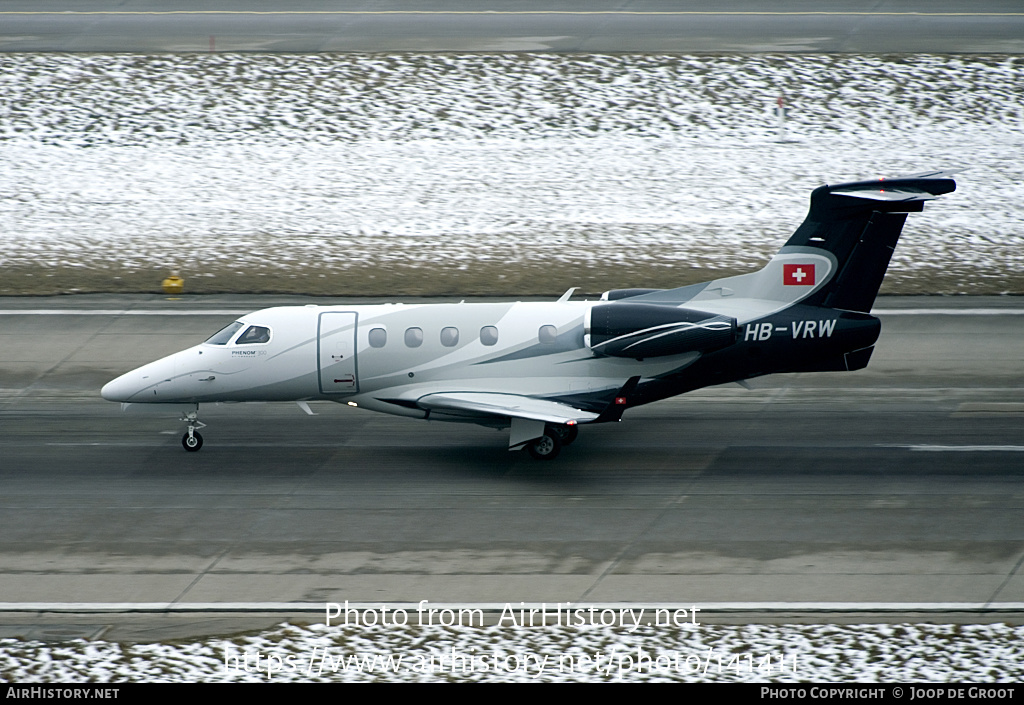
[192, 441]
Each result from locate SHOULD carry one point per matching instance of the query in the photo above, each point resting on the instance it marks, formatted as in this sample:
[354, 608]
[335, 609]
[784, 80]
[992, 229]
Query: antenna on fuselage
[567, 295]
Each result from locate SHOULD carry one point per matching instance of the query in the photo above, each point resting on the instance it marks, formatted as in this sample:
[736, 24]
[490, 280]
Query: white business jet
[545, 369]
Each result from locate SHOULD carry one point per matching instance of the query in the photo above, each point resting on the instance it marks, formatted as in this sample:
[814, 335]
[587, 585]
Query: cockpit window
[254, 334]
[222, 336]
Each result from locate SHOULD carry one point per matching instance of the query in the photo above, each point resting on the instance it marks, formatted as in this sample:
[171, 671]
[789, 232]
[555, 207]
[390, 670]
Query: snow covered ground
[898, 653]
[473, 174]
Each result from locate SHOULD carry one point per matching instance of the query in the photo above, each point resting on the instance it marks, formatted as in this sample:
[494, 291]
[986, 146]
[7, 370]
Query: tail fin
[859, 223]
[836, 258]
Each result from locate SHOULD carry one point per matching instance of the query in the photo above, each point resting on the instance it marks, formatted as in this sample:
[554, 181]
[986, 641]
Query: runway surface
[902, 483]
[153, 26]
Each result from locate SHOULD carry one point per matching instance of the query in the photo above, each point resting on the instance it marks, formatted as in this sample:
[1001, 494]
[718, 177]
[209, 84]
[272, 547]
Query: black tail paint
[860, 224]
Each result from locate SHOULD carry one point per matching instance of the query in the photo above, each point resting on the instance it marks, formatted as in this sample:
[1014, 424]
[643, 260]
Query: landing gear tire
[192, 442]
[566, 434]
[547, 447]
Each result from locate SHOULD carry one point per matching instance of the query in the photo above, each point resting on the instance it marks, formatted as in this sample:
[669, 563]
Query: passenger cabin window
[547, 334]
[253, 335]
[378, 338]
[489, 335]
[413, 337]
[222, 336]
[449, 337]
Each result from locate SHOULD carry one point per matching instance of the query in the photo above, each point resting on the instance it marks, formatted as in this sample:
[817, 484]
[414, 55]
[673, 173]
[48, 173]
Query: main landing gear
[548, 446]
[192, 441]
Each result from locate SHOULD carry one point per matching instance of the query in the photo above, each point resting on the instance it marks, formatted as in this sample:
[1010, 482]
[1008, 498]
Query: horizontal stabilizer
[887, 194]
[901, 194]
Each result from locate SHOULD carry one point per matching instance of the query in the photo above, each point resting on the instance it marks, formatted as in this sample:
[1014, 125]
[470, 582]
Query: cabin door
[336, 352]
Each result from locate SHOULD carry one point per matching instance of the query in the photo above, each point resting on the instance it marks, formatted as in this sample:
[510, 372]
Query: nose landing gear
[192, 441]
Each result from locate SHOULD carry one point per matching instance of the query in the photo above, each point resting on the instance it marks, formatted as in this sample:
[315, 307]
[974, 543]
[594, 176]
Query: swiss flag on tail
[798, 274]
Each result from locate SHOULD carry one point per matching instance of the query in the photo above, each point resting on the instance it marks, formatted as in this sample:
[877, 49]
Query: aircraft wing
[513, 406]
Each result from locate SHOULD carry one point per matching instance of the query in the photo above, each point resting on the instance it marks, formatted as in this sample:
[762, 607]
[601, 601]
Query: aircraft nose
[122, 388]
[154, 382]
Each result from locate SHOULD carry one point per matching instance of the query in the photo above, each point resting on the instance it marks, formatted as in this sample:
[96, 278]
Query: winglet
[618, 405]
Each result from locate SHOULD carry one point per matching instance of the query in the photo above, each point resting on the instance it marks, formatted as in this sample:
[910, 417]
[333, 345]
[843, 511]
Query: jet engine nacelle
[652, 330]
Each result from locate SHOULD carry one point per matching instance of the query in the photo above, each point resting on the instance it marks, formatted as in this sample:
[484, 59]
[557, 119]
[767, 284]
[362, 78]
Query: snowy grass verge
[487, 174]
[891, 653]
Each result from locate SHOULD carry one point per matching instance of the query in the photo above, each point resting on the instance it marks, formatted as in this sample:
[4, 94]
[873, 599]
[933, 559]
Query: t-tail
[807, 310]
[835, 259]
[858, 225]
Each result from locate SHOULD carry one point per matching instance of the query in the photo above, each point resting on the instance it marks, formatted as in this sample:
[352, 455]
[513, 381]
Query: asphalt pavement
[597, 26]
[897, 485]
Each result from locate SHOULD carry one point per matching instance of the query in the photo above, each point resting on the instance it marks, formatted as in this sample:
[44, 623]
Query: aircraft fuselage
[542, 369]
[386, 357]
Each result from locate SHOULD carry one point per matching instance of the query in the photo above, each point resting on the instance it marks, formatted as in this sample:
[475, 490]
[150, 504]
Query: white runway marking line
[120, 312]
[947, 312]
[963, 449]
[241, 312]
[320, 607]
[654, 13]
